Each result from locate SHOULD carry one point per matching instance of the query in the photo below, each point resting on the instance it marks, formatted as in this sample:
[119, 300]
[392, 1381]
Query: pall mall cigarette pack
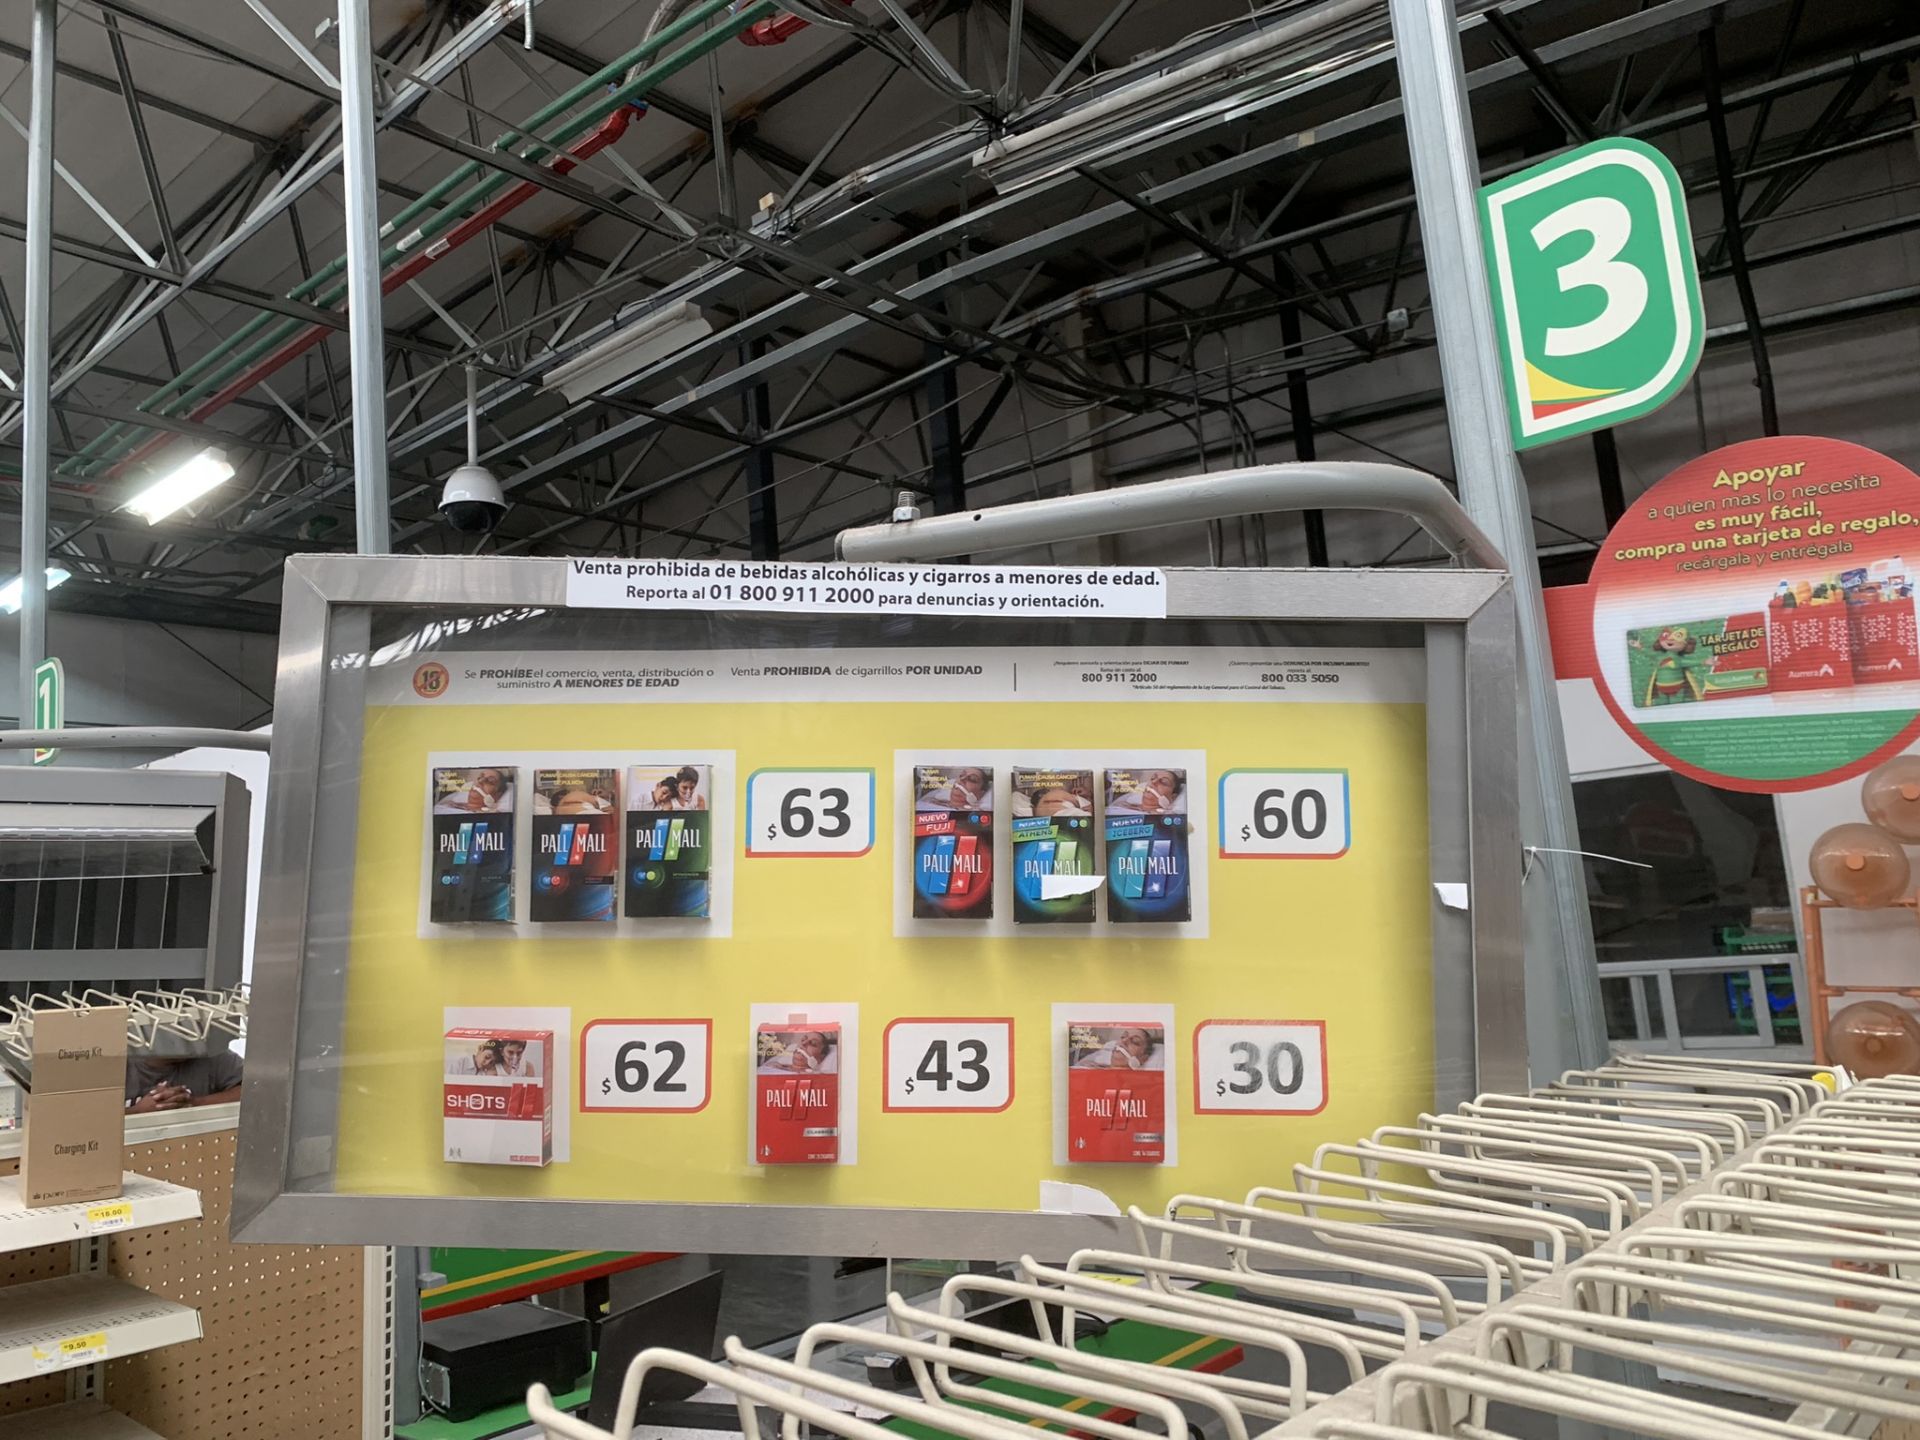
[952, 842]
[575, 844]
[1116, 1093]
[669, 842]
[497, 1098]
[796, 1093]
[1052, 833]
[1147, 871]
[472, 845]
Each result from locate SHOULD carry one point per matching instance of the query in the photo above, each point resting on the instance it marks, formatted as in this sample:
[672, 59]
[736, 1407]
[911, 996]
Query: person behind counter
[165, 1082]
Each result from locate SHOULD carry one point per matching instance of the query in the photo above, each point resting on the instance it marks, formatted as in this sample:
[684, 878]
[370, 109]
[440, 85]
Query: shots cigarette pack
[1052, 832]
[796, 1093]
[472, 845]
[953, 842]
[669, 842]
[1147, 871]
[1694, 660]
[498, 1097]
[575, 844]
[1116, 1093]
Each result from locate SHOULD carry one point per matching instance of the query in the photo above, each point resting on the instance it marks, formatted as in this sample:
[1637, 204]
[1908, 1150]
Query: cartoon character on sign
[1674, 680]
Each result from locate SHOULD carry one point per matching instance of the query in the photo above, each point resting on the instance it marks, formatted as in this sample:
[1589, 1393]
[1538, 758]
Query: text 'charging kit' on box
[76, 1111]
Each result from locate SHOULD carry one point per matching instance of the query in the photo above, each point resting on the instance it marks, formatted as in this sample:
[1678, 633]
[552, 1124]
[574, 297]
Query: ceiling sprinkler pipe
[776, 31]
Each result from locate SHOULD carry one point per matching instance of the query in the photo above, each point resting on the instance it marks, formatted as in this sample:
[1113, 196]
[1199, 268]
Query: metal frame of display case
[1473, 807]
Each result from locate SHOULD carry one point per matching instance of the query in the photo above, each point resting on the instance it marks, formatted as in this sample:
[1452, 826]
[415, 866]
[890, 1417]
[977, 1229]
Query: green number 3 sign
[1595, 293]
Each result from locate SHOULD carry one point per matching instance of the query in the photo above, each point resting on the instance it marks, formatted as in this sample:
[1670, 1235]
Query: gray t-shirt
[204, 1075]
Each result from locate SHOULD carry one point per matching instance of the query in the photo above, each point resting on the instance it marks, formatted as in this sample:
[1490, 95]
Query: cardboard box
[77, 1112]
[497, 1097]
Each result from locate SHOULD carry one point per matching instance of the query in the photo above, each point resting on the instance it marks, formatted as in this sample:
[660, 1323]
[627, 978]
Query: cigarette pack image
[669, 841]
[796, 1093]
[1809, 642]
[1697, 660]
[1116, 1093]
[497, 1097]
[1052, 830]
[1880, 622]
[472, 878]
[952, 842]
[575, 859]
[1146, 828]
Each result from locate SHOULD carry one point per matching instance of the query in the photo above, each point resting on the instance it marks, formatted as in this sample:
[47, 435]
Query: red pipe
[592, 143]
[775, 30]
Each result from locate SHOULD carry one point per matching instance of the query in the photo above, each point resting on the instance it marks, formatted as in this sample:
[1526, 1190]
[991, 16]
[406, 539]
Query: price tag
[1284, 815]
[646, 1065]
[115, 1216]
[75, 1350]
[1260, 1067]
[948, 1064]
[810, 812]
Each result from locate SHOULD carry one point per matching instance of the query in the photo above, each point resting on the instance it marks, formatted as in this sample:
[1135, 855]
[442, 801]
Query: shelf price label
[1259, 1067]
[74, 1350]
[646, 1066]
[810, 812]
[1284, 815]
[115, 1215]
[948, 1064]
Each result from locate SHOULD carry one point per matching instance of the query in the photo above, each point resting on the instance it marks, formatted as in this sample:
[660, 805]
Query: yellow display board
[1342, 940]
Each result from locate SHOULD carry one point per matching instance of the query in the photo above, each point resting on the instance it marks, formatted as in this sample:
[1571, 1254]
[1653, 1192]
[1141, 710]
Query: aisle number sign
[49, 703]
[810, 812]
[1595, 292]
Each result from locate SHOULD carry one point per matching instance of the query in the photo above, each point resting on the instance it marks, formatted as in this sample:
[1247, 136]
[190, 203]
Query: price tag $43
[949, 1064]
[1284, 815]
[1260, 1067]
[647, 1065]
[810, 812]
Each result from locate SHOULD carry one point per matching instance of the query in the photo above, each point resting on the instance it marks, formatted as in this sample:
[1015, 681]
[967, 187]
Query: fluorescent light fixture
[10, 593]
[184, 486]
[627, 350]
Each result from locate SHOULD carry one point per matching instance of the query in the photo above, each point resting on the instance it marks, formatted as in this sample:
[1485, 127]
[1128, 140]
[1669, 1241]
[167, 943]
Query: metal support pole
[1606, 460]
[365, 339]
[1731, 231]
[1565, 1026]
[1300, 404]
[763, 502]
[36, 380]
[946, 459]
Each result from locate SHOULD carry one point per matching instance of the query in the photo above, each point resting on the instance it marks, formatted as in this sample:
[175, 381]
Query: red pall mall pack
[1116, 1093]
[497, 1099]
[796, 1093]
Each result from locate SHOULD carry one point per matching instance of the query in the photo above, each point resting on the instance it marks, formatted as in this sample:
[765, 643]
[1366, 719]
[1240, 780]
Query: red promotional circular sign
[1753, 614]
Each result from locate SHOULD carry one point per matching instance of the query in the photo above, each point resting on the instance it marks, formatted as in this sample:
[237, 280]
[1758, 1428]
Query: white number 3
[1609, 224]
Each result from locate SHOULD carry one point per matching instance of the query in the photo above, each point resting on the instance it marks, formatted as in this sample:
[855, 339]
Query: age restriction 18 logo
[1595, 292]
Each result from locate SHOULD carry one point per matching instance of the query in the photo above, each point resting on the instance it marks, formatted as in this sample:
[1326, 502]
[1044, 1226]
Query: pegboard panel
[41, 1264]
[281, 1358]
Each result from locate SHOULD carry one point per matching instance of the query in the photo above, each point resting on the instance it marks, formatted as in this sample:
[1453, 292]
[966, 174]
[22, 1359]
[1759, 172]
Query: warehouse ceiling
[949, 245]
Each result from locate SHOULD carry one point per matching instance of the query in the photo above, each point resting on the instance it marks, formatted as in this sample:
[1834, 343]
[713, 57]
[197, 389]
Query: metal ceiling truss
[1010, 298]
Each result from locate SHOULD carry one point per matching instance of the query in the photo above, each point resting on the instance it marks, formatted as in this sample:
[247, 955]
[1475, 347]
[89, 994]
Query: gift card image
[1696, 660]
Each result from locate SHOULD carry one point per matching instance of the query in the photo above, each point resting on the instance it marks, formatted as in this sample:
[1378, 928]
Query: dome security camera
[472, 500]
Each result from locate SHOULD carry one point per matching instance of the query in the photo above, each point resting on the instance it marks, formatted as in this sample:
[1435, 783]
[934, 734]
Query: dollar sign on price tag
[822, 813]
[646, 1065]
[1285, 815]
[1260, 1067]
[948, 1064]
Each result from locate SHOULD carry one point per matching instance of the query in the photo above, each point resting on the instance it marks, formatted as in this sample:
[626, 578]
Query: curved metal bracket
[1227, 494]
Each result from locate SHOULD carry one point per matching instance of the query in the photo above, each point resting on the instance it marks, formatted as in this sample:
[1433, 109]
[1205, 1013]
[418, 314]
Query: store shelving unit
[142, 1202]
[86, 1319]
[80, 1420]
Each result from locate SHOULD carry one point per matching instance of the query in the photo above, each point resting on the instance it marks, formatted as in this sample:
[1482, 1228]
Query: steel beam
[1732, 237]
[1565, 1024]
[1300, 404]
[365, 337]
[36, 461]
